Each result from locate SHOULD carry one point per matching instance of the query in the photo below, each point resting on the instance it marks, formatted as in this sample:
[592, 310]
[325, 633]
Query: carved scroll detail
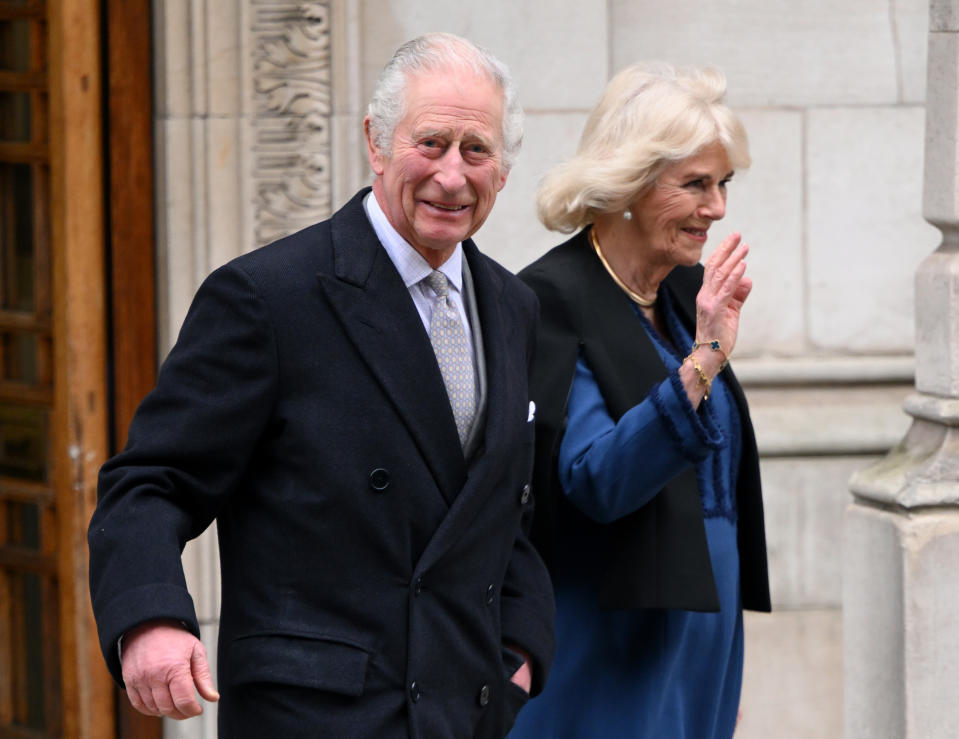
[292, 111]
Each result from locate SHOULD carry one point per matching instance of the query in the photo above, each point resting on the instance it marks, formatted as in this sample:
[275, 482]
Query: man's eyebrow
[445, 133]
[427, 133]
[485, 140]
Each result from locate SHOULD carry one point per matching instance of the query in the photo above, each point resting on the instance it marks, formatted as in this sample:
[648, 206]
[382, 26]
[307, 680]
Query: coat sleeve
[609, 469]
[188, 446]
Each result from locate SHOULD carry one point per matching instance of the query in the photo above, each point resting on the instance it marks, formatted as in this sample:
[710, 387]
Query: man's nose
[450, 173]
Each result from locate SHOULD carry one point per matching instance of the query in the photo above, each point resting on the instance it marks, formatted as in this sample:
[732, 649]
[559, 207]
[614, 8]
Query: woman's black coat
[657, 557]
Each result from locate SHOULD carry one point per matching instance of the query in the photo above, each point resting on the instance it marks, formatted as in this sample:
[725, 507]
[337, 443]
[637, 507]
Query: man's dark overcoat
[370, 575]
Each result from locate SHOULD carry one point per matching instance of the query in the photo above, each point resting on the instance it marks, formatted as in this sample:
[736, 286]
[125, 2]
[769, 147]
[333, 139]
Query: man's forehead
[461, 79]
[448, 105]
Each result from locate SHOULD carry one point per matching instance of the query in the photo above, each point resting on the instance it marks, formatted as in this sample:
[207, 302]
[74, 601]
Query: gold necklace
[635, 297]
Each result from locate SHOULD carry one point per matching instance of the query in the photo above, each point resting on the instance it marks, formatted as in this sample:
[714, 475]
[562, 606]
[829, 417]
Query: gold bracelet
[716, 347]
[703, 379]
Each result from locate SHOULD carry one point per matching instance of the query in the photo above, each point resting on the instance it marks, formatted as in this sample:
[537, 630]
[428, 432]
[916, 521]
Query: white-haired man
[350, 405]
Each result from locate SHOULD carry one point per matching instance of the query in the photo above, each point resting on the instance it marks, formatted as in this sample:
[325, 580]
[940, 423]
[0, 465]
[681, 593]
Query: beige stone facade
[259, 110]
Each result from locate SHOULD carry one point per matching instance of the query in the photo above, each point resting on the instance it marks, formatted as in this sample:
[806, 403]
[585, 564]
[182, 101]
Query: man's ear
[377, 158]
[504, 173]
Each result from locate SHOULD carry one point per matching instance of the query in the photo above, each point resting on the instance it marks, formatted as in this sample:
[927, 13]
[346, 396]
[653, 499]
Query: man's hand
[162, 662]
[523, 677]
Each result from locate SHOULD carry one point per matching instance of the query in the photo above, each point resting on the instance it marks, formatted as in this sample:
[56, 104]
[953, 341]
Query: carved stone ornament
[292, 110]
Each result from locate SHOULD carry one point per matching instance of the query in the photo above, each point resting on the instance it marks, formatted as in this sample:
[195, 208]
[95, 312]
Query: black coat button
[490, 594]
[526, 495]
[379, 479]
[418, 586]
[484, 695]
[415, 691]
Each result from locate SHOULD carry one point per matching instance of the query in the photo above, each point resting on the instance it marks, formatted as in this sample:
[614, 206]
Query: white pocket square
[532, 412]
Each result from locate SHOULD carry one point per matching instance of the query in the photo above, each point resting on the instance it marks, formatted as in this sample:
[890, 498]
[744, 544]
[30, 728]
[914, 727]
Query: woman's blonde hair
[649, 116]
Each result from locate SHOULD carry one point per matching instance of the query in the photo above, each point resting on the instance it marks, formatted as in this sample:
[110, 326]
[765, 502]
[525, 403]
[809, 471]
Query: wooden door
[62, 96]
[53, 402]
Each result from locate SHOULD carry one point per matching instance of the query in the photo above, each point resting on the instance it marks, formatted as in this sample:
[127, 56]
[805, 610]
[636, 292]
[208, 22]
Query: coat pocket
[309, 662]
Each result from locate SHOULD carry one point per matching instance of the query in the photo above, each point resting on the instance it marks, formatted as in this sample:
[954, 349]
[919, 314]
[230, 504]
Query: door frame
[79, 422]
[104, 317]
[131, 242]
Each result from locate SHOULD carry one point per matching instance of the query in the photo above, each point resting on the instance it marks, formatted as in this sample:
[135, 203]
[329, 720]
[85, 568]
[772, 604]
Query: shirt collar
[411, 265]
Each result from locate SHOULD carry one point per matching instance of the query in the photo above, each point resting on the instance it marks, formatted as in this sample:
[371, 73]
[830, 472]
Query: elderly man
[350, 406]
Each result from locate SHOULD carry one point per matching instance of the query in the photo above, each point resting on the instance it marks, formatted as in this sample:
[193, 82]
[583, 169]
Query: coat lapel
[505, 409]
[625, 370]
[496, 343]
[374, 306]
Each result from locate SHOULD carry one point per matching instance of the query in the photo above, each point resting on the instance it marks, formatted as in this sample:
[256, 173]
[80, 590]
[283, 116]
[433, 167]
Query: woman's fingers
[736, 275]
[722, 252]
[724, 276]
[725, 289]
[743, 289]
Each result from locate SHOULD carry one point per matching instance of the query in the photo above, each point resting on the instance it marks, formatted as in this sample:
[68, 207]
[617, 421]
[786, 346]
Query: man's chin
[436, 250]
[442, 239]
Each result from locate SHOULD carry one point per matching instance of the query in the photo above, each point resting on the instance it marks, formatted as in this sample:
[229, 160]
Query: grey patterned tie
[453, 354]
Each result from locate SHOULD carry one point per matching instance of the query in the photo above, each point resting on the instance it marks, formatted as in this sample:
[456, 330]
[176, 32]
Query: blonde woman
[648, 501]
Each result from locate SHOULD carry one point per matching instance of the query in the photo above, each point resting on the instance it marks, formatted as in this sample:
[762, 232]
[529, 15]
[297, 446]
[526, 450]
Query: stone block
[349, 166]
[774, 52]
[944, 15]
[911, 19]
[922, 471]
[558, 57]
[828, 420]
[228, 62]
[765, 204]
[229, 221]
[173, 73]
[346, 58]
[931, 543]
[512, 234]
[941, 185]
[866, 234]
[937, 324]
[178, 209]
[873, 625]
[792, 677]
[900, 618]
[805, 498]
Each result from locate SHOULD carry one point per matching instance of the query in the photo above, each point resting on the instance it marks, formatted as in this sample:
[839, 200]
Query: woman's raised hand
[725, 289]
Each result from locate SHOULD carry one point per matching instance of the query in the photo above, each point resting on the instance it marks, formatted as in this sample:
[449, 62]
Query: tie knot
[438, 283]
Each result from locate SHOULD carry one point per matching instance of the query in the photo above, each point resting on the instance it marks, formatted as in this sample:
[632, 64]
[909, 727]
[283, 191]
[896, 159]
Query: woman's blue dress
[660, 673]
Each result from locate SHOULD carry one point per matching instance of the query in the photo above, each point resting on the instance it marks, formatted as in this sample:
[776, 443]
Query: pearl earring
[627, 215]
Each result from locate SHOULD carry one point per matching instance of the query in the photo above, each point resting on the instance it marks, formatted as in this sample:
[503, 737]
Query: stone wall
[832, 95]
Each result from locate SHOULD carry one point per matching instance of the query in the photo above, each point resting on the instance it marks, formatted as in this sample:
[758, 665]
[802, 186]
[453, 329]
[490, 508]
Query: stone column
[901, 539]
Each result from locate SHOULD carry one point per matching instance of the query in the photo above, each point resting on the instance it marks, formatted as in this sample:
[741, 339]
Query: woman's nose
[714, 204]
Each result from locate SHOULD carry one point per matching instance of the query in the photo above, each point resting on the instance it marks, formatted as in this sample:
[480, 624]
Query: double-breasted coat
[372, 577]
